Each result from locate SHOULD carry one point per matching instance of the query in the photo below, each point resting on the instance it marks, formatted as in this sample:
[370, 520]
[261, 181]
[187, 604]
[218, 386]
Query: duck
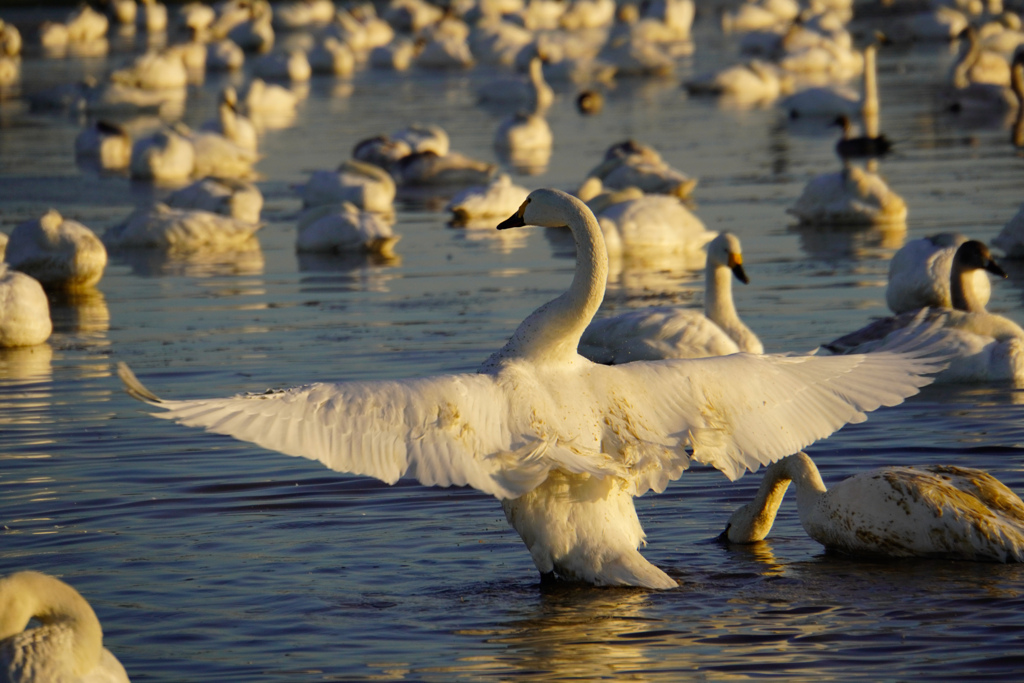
[852, 146]
[239, 199]
[24, 309]
[934, 511]
[498, 198]
[851, 196]
[107, 143]
[67, 642]
[981, 346]
[58, 252]
[661, 332]
[563, 443]
[1011, 238]
[533, 94]
[345, 228]
[179, 230]
[921, 270]
[368, 186]
[637, 222]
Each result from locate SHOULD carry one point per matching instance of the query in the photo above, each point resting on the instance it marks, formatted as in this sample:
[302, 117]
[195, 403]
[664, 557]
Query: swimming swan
[67, 645]
[59, 252]
[921, 271]
[564, 443]
[663, 332]
[24, 309]
[930, 511]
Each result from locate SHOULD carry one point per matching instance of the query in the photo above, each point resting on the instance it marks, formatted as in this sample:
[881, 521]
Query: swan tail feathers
[134, 387]
[633, 570]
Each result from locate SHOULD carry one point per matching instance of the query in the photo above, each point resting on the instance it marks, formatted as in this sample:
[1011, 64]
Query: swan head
[974, 255]
[545, 208]
[725, 251]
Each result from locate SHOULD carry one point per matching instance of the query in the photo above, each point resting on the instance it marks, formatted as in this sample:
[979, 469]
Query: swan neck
[810, 489]
[31, 595]
[962, 295]
[718, 303]
[869, 107]
[753, 521]
[969, 54]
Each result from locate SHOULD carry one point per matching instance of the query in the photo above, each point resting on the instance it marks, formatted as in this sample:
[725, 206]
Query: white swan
[366, 185]
[179, 230]
[345, 228]
[67, 644]
[524, 142]
[930, 511]
[268, 99]
[166, 155]
[227, 196]
[231, 124]
[753, 82]
[981, 346]
[640, 223]
[632, 164]
[500, 197]
[670, 332]
[331, 56]
[532, 94]
[153, 70]
[283, 66]
[109, 144]
[431, 169]
[60, 253]
[564, 443]
[224, 55]
[1011, 238]
[921, 271]
[852, 196]
[24, 309]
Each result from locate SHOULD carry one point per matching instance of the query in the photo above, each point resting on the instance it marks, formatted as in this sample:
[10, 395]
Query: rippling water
[210, 560]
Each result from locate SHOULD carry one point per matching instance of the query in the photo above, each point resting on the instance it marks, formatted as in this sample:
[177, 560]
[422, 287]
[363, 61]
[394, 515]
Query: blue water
[211, 560]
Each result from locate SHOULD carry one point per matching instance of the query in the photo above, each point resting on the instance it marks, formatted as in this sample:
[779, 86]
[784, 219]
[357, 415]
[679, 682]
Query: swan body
[921, 271]
[331, 56]
[107, 143]
[566, 444]
[423, 137]
[164, 156]
[232, 125]
[669, 332]
[151, 16]
[179, 230]
[852, 196]
[24, 309]
[303, 13]
[398, 55]
[67, 644]
[344, 228]
[153, 70]
[59, 252]
[753, 81]
[224, 55]
[445, 52]
[931, 511]
[982, 346]
[10, 39]
[1011, 238]
[366, 185]
[217, 155]
[265, 98]
[822, 101]
[431, 169]
[500, 197]
[630, 164]
[652, 223]
[232, 197]
[522, 132]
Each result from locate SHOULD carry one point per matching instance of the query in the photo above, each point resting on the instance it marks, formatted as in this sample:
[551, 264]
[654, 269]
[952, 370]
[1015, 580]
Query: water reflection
[82, 312]
[247, 259]
[26, 363]
[575, 633]
[347, 271]
[839, 243]
[483, 232]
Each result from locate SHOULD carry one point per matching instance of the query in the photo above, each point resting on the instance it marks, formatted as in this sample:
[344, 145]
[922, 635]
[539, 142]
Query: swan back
[68, 644]
[24, 309]
[58, 252]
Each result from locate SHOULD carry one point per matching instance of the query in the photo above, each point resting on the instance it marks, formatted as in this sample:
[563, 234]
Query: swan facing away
[564, 443]
[931, 511]
[24, 310]
[61, 253]
[852, 196]
[669, 332]
[67, 645]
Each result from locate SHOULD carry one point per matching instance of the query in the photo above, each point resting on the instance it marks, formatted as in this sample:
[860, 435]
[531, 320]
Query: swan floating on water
[851, 196]
[233, 197]
[921, 271]
[24, 309]
[981, 346]
[67, 645]
[345, 228]
[61, 253]
[364, 184]
[498, 198]
[662, 332]
[931, 511]
[179, 230]
[564, 443]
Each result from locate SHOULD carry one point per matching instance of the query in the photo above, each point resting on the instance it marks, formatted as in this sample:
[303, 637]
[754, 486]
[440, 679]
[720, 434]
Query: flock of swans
[577, 414]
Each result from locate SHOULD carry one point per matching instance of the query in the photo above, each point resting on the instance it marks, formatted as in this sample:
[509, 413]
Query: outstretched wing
[742, 411]
[444, 430]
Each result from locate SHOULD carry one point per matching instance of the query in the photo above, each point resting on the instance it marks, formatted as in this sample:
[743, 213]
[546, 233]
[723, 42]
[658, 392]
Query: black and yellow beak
[736, 266]
[516, 219]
